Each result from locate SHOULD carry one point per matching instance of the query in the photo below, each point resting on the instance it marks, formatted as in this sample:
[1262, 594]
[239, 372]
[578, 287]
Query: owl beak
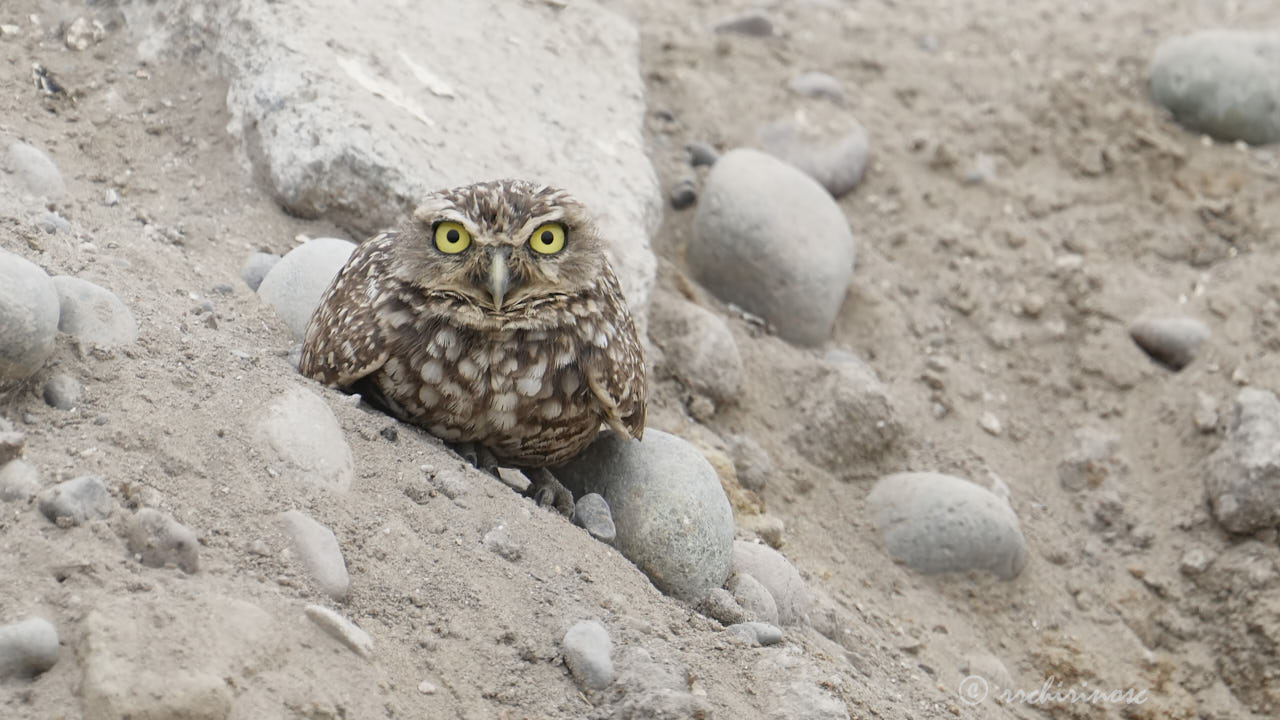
[499, 275]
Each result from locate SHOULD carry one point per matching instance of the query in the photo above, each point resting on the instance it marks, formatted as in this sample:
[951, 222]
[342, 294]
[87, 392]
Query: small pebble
[990, 423]
[84, 33]
[158, 540]
[701, 154]
[754, 23]
[721, 606]
[756, 633]
[818, 84]
[35, 170]
[754, 598]
[318, 548]
[53, 223]
[111, 197]
[500, 542]
[19, 481]
[592, 513]
[684, 194]
[1090, 460]
[93, 314]
[27, 648]
[1170, 341]
[426, 687]
[588, 653]
[62, 392]
[777, 575]
[256, 268]
[1205, 416]
[76, 501]
[342, 630]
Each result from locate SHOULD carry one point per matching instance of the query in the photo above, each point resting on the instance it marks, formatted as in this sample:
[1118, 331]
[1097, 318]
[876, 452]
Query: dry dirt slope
[1084, 166]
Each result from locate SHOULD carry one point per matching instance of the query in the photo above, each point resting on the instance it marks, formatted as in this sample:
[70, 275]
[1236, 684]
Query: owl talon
[478, 456]
[547, 491]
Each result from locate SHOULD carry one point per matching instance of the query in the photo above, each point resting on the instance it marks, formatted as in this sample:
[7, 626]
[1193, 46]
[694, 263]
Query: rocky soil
[962, 340]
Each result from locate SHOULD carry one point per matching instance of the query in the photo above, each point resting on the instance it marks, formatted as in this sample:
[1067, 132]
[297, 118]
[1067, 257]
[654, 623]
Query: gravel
[939, 523]
[588, 653]
[672, 517]
[27, 648]
[750, 202]
[1170, 341]
[93, 314]
[295, 284]
[157, 540]
[1243, 477]
[76, 501]
[317, 547]
[1225, 83]
[28, 318]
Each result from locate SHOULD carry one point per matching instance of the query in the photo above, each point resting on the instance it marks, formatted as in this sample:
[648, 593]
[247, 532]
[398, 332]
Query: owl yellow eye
[548, 239]
[452, 238]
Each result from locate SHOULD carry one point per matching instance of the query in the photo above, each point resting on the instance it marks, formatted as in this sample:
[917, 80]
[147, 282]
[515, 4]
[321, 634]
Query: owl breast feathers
[491, 317]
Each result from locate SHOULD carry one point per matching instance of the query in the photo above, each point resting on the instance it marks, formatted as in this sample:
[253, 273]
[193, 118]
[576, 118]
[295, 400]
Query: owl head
[501, 245]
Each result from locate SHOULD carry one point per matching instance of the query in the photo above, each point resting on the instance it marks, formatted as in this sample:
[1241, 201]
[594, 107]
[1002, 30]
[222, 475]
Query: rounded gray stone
[76, 501]
[1243, 474]
[318, 548]
[756, 633]
[750, 461]
[295, 284]
[588, 652]
[1225, 83]
[699, 348]
[303, 434]
[701, 154]
[256, 268]
[755, 23]
[754, 597]
[28, 318]
[19, 481]
[62, 392]
[1170, 341]
[27, 648]
[850, 421]
[672, 517]
[159, 540]
[838, 162]
[939, 523]
[771, 240]
[93, 314]
[591, 512]
[776, 573]
[35, 170]
[817, 84]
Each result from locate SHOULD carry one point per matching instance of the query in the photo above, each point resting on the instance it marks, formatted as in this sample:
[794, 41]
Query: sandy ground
[1093, 209]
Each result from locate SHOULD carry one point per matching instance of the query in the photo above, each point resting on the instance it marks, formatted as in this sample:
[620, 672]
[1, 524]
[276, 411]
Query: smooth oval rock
[295, 284]
[28, 318]
[93, 314]
[306, 439]
[1225, 83]
[771, 240]
[588, 653]
[699, 348]
[19, 481]
[939, 523]
[27, 648]
[341, 629]
[672, 517]
[318, 548]
[62, 392]
[36, 171]
[76, 501]
[256, 268]
[756, 633]
[817, 84]
[159, 540]
[591, 512]
[1243, 474]
[754, 597]
[1170, 341]
[838, 162]
[776, 573]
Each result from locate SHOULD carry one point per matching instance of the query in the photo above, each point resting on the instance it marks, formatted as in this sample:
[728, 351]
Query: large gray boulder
[350, 111]
[1222, 82]
[769, 238]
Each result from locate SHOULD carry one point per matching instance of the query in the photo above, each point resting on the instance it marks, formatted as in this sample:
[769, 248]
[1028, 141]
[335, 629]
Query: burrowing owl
[492, 318]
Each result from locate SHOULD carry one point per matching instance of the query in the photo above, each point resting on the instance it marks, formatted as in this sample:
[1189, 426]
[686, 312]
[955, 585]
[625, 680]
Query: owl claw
[547, 491]
[479, 456]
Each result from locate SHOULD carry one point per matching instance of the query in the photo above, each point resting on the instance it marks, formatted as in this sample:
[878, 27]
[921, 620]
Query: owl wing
[345, 340]
[617, 375]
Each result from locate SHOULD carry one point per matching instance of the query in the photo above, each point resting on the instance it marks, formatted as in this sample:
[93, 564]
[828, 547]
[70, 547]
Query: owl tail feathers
[612, 415]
